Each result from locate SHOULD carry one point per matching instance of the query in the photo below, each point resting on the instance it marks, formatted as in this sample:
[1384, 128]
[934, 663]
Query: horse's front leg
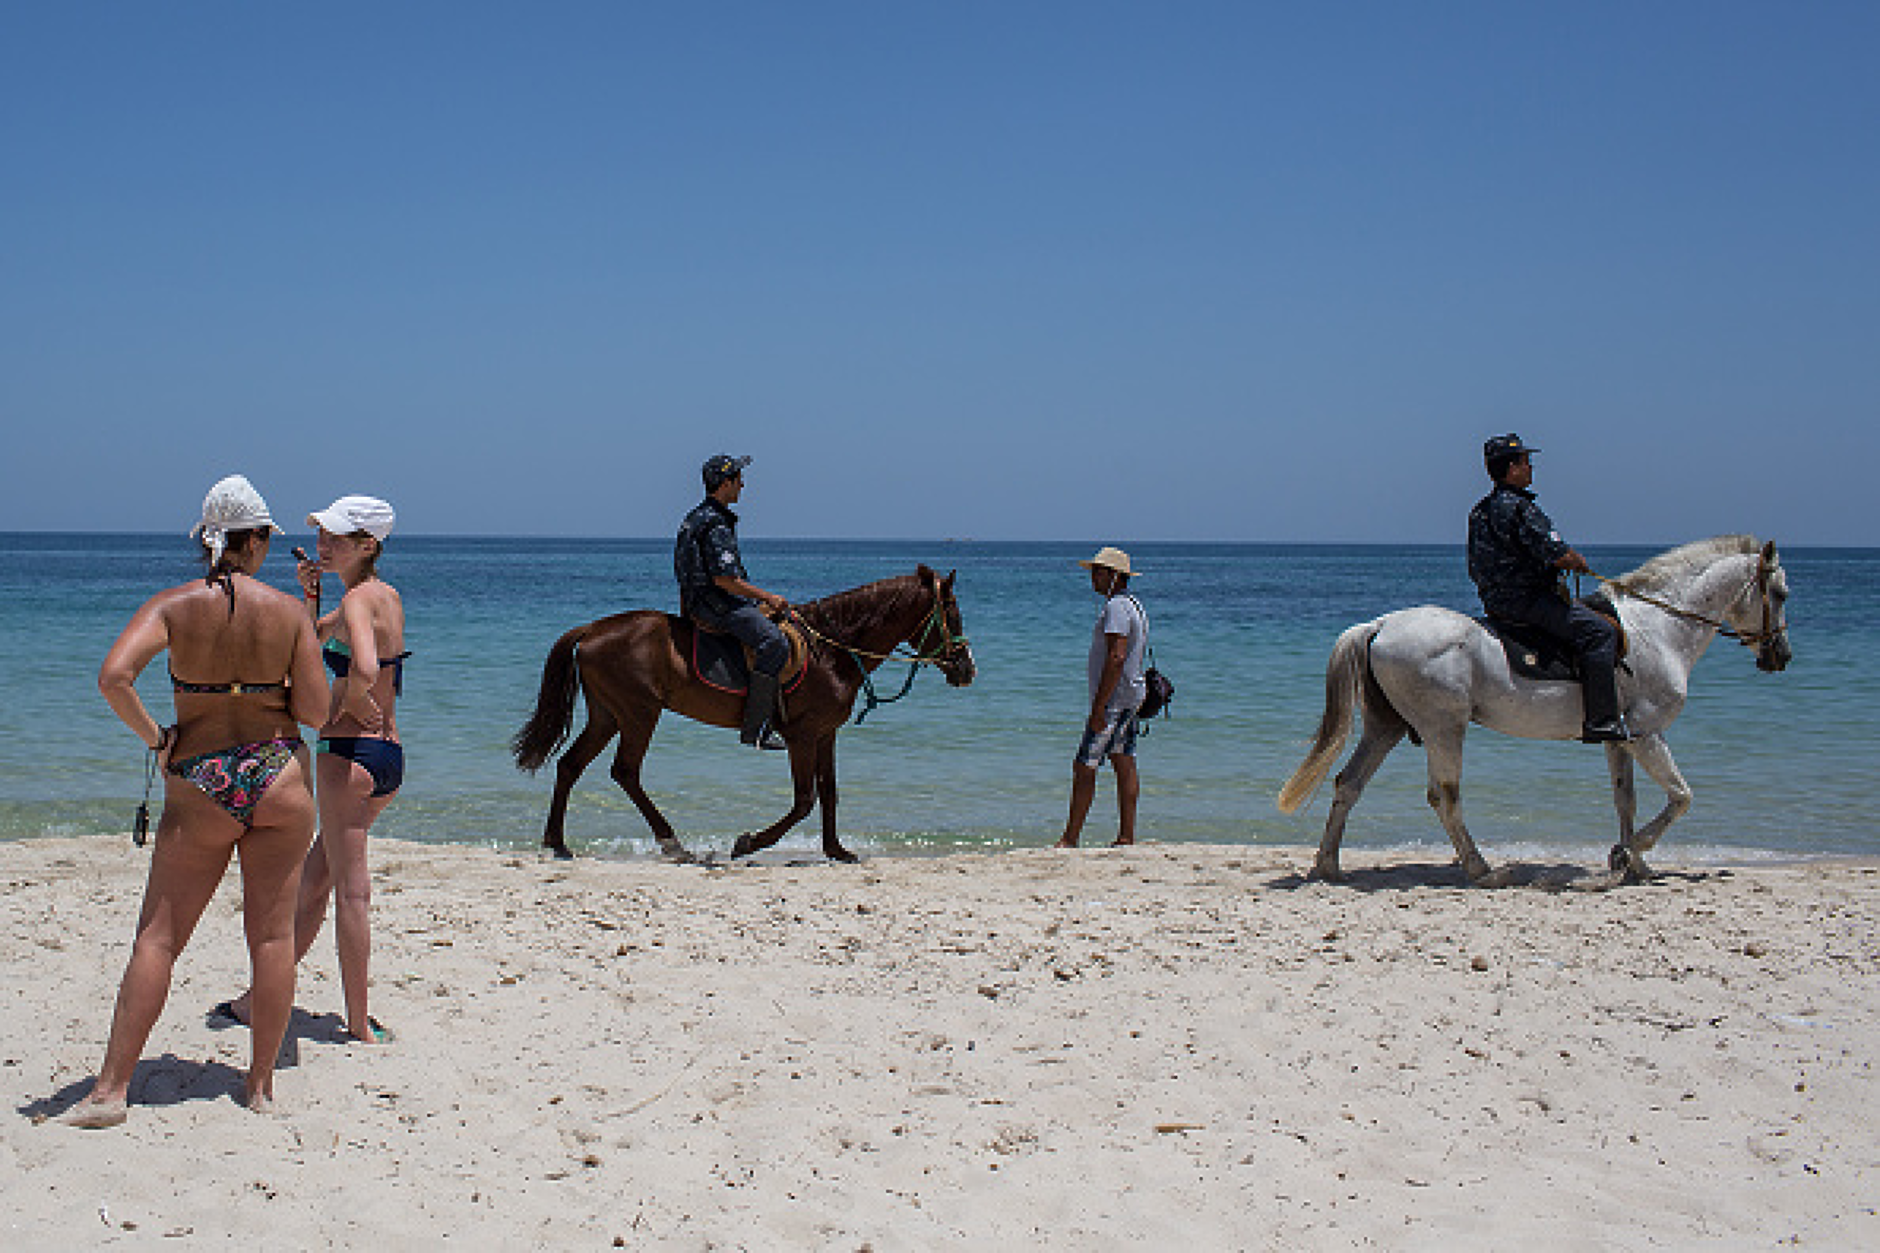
[1445, 796]
[1624, 797]
[826, 799]
[1652, 753]
[803, 779]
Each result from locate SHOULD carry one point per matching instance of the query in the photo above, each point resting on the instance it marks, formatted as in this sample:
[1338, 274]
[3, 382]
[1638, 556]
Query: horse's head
[1759, 616]
[941, 638]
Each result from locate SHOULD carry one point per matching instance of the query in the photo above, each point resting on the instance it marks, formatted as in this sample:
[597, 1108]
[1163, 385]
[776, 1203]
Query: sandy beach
[1169, 1046]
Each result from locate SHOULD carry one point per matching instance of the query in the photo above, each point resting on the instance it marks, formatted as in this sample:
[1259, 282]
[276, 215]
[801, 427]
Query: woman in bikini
[245, 669]
[361, 762]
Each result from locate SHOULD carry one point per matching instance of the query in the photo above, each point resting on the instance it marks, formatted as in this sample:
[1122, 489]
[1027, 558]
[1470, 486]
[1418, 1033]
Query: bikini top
[338, 658]
[225, 689]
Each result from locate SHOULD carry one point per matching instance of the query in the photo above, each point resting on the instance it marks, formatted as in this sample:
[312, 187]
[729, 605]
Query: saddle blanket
[719, 660]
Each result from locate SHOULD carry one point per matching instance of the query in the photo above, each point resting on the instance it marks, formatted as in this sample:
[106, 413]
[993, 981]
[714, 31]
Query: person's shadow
[172, 1080]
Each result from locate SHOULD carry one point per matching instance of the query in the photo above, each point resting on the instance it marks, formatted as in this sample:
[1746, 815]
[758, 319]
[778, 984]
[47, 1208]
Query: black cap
[1505, 448]
[722, 468]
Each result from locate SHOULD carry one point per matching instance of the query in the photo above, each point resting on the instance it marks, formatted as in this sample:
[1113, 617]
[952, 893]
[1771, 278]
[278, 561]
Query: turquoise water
[1781, 764]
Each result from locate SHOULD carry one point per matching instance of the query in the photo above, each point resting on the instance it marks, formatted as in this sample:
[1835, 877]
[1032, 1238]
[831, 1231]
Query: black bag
[1158, 689]
[1160, 692]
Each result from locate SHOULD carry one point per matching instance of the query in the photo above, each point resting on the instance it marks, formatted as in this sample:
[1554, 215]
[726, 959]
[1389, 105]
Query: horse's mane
[1672, 569]
[852, 614]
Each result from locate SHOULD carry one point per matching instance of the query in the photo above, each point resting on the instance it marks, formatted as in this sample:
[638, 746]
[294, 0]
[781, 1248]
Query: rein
[1749, 639]
[935, 620]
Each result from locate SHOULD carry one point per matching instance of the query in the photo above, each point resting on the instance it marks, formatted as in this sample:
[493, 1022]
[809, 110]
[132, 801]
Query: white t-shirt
[1120, 615]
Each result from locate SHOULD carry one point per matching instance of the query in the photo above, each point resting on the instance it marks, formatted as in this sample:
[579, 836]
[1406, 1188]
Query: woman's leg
[316, 884]
[194, 839]
[272, 855]
[347, 811]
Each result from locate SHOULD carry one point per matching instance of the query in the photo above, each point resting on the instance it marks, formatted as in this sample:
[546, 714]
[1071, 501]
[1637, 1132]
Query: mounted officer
[1518, 562]
[717, 595]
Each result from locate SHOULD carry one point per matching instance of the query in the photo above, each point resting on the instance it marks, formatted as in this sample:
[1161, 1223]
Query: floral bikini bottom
[237, 778]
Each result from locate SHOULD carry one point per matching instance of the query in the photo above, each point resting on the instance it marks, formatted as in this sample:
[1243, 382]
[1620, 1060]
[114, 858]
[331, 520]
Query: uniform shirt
[1512, 548]
[1121, 615]
[707, 548]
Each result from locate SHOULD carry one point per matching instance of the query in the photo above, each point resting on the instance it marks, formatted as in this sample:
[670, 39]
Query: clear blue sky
[1097, 271]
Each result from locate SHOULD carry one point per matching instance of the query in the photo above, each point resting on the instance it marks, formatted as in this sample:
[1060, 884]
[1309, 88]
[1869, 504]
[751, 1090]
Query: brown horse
[633, 666]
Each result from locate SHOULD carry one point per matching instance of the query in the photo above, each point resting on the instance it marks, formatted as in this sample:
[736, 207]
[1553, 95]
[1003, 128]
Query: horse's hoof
[1325, 872]
[678, 856]
[743, 847]
[1630, 866]
[1481, 876]
[842, 855]
[561, 852]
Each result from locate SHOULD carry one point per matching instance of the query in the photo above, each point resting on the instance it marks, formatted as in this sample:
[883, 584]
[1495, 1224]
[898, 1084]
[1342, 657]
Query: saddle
[1533, 654]
[719, 660]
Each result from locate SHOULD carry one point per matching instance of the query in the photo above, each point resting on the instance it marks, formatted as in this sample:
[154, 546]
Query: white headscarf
[231, 505]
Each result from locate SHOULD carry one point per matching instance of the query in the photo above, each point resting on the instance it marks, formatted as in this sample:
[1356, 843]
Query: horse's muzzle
[958, 668]
[1774, 657]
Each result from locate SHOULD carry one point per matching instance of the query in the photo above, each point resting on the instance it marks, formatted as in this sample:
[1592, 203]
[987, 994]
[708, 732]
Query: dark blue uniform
[1512, 550]
[707, 548]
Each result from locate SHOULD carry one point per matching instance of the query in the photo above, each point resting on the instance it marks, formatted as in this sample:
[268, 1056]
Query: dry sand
[1166, 1047]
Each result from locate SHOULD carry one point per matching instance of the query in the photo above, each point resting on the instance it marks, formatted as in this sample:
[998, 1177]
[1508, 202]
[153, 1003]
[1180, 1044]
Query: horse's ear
[1769, 555]
[925, 574]
[946, 584]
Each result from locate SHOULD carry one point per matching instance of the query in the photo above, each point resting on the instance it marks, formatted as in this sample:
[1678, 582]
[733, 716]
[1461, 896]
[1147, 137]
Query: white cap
[231, 505]
[350, 514]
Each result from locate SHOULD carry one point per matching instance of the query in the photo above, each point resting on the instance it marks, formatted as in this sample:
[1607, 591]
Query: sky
[1104, 271]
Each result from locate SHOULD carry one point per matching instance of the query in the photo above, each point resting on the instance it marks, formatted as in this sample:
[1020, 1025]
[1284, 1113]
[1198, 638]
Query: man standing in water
[1516, 559]
[716, 594]
[1117, 644]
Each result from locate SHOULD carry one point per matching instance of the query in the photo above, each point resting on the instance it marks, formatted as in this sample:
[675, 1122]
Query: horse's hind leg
[1654, 755]
[1444, 749]
[634, 739]
[586, 747]
[1380, 736]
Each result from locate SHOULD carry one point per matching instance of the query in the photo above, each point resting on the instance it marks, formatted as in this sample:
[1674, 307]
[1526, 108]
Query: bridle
[934, 624]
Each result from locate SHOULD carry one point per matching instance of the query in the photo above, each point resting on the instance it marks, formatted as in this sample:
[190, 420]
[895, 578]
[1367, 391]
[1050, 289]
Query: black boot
[1599, 684]
[760, 712]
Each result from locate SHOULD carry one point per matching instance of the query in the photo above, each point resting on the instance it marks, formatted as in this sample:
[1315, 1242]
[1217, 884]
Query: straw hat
[1110, 559]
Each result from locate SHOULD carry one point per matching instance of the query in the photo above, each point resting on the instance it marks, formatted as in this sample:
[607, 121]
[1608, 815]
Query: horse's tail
[1343, 673]
[548, 726]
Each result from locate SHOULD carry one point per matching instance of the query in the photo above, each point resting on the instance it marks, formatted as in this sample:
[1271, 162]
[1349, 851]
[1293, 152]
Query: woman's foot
[376, 1032]
[93, 1113]
[229, 1013]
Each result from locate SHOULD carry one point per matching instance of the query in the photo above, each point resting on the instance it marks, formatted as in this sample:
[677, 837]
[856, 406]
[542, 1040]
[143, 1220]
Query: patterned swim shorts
[1116, 739]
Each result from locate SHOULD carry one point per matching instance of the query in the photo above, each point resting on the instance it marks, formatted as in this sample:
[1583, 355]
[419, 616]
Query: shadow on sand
[172, 1080]
[1545, 877]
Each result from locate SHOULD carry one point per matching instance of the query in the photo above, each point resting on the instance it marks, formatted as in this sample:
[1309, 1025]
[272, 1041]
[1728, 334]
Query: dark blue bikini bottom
[384, 760]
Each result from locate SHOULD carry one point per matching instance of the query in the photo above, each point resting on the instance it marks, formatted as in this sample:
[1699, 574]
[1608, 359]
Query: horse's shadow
[1537, 876]
[172, 1080]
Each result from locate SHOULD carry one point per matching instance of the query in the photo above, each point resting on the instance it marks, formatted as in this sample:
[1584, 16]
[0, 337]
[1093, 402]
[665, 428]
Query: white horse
[1431, 671]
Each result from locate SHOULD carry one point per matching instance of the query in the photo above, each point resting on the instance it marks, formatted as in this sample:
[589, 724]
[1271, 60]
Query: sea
[1782, 765]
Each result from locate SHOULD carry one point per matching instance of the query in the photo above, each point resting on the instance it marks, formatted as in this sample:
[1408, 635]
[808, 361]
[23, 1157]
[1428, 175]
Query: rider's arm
[739, 587]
